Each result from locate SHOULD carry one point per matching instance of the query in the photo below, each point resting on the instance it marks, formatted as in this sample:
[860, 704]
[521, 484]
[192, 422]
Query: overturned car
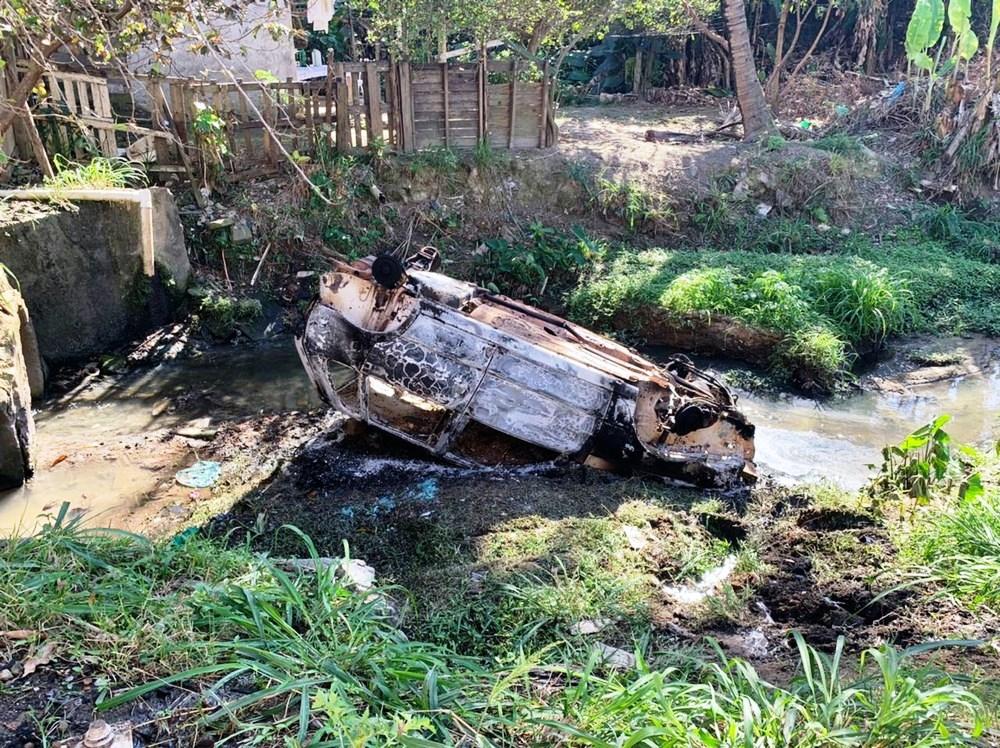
[481, 379]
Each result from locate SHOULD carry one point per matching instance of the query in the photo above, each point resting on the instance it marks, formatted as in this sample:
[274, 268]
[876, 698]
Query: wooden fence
[404, 106]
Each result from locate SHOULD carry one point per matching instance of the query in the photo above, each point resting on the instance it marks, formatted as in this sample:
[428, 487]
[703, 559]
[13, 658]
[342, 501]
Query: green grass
[828, 305]
[298, 658]
[960, 548]
[99, 173]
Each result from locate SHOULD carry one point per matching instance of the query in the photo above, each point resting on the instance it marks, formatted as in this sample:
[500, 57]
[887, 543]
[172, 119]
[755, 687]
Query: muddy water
[98, 449]
[800, 439]
[101, 439]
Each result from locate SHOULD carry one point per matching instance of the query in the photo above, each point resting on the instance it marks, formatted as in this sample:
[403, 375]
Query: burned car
[481, 379]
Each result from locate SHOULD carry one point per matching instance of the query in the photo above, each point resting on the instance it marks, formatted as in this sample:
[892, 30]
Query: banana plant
[994, 24]
[966, 43]
[924, 33]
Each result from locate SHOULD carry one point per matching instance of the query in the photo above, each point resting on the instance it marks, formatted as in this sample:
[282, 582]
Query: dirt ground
[613, 137]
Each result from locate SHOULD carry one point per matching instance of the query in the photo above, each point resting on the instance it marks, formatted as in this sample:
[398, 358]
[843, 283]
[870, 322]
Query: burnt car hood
[479, 378]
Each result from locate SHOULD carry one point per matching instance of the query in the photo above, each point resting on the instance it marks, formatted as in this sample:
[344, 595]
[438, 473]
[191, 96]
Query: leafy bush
[925, 465]
[960, 547]
[863, 300]
[525, 267]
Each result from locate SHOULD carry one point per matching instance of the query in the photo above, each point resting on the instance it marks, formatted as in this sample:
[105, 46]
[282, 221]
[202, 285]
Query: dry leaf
[57, 460]
[43, 656]
[17, 634]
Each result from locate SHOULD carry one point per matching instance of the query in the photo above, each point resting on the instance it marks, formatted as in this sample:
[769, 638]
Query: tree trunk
[17, 99]
[779, 53]
[757, 120]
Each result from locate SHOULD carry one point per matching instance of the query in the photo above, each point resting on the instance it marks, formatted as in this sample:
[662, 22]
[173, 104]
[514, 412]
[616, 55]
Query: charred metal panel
[532, 416]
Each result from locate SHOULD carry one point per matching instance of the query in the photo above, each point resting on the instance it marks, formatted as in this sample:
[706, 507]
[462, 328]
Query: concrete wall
[81, 270]
[248, 41]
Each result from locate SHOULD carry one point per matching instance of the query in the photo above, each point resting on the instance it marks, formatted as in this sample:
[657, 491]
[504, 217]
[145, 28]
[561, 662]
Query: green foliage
[210, 130]
[823, 303]
[486, 158]
[321, 663]
[819, 353]
[839, 143]
[925, 465]
[525, 267]
[440, 159]
[99, 173]
[924, 32]
[221, 314]
[636, 206]
[863, 300]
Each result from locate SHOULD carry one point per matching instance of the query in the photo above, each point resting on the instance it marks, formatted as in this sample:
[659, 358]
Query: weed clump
[221, 314]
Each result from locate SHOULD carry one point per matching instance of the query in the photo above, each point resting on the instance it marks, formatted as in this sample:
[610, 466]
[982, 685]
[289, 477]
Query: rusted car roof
[479, 378]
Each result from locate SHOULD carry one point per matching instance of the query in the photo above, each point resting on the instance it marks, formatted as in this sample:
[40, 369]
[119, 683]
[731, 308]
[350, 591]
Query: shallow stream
[798, 439]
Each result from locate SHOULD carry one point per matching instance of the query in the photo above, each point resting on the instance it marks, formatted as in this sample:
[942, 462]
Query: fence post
[267, 99]
[343, 116]
[545, 105]
[447, 105]
[513, 104]
[406, 107]
[373, 96]
[392, 102]
[329, 88]
[481, 75]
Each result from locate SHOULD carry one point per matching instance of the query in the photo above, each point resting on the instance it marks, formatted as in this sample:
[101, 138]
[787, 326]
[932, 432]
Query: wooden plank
[292, 111]
[178, 114]
[244, 118]
[447, 104]
[373, 93]
[343, 117]
[513, 104]
[160, 146]
[391, 103]
[102, 100]
[406, 106]
[482, 103]
[268, 113]
[329, 89]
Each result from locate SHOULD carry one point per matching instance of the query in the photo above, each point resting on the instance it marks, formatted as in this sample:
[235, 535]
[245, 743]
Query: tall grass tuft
[99, 173]
[727, 704]
[960, 548]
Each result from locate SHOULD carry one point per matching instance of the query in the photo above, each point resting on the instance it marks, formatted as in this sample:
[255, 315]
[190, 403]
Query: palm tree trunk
[757, 120]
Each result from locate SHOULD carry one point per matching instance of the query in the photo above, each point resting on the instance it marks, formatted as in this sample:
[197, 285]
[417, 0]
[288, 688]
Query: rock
[218, 224]
[763, 209]
[241, 233]
[17, 427]
[590, 626]
[614, 658]
[6, 675]
[358, 574]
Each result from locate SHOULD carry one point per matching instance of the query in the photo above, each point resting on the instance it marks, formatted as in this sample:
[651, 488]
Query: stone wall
[20, 369]
[81, 270]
